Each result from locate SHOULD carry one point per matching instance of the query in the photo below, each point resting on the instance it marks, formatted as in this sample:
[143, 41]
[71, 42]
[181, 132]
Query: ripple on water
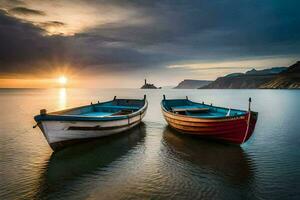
[152, 162]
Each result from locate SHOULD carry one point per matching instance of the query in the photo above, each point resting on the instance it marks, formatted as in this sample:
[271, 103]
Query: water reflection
[67, 169]
[227, 161]
[62, 100]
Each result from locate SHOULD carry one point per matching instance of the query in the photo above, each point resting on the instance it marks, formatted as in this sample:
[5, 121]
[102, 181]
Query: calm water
[151, 161]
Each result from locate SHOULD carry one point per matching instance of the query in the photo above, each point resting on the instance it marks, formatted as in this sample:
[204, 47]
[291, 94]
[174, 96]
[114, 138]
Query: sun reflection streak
[62, 100]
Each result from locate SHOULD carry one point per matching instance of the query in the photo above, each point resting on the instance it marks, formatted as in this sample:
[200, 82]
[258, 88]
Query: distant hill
[191, 84]
[234, 74]
[274, 70]
[288, 79]
[239, 82]
[250, 80]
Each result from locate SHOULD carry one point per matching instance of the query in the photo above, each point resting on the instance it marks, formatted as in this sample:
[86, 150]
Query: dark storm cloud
[51, 24]
[54, 23]
[12, 3]
[26, 11]
[210, 29]
[177, 32]
[25, 50]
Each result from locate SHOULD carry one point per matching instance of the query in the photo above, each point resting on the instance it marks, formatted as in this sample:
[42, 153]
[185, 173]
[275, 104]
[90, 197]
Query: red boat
[230, 125]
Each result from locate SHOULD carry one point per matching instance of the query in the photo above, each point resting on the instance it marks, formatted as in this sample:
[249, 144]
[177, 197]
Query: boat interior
[200, 110]
[112, 108]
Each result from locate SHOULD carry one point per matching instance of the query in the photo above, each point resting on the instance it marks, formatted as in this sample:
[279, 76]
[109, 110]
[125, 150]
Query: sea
[150, 161]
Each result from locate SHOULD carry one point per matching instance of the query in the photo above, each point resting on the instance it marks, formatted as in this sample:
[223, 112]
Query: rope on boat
[34, 126]
[140, 116]
[248, 126]
[248, 121]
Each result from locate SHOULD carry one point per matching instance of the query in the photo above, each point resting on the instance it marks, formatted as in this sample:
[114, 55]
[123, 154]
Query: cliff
[288, 79]
[274, 70]
[250, 80]
[239, 82]
[191, 84]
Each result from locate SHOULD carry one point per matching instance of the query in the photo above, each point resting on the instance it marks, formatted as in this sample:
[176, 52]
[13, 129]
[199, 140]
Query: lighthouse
[148, 85]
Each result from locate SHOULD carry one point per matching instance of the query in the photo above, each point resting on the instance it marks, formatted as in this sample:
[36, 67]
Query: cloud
[52, 27]
[53, 23]
[209, 30]
[24, 49]
[147, 36]
[78, 14]
[26, 11]
[11, 3]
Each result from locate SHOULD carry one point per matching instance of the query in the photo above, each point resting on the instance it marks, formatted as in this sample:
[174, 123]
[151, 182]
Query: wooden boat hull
[235, 130]
[60, 133]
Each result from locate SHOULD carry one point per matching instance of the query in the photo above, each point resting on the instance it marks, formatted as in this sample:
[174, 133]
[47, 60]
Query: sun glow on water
[62, 98]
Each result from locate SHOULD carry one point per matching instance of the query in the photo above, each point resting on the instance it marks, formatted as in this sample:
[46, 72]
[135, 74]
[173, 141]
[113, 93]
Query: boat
[208, 121]
[67, 126]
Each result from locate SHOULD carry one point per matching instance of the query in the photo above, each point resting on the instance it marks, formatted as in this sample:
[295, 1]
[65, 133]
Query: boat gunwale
[203, 123]
[225, 118]
[55, 116]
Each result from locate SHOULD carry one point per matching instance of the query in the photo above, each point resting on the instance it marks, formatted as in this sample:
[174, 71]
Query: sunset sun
[62, 80]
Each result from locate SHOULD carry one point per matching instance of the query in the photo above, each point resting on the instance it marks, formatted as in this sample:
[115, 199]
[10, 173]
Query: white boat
[91, 121]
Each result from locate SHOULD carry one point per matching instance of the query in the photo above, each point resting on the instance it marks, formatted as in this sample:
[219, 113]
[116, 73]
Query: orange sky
[28, 83]
[173, 75]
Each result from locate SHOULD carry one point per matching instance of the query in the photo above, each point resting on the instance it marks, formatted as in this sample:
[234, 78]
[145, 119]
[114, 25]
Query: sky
[118, 43]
